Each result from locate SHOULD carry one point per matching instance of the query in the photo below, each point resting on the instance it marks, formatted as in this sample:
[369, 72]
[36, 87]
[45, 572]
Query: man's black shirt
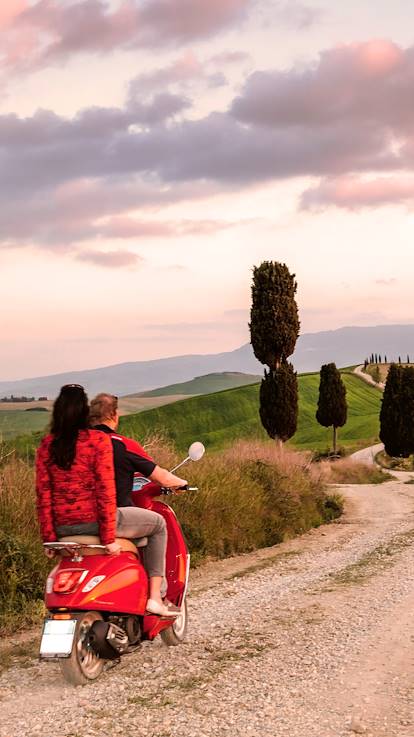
[128, 459]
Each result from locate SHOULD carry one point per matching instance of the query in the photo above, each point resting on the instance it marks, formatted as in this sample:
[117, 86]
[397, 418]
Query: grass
[379, 372]
[17, 421]
[23, 565]
[221, 418]
[253, 495]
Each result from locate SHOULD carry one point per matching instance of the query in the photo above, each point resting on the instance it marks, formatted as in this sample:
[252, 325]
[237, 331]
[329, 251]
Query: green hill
[218, 419]
[203, 384]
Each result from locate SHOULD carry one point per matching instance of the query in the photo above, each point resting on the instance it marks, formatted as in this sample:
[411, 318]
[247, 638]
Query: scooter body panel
[123, 588]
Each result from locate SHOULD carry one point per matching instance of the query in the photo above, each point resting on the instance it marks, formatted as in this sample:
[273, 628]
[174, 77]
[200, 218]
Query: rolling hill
[220, 418]
[345, 346]
[204, 384]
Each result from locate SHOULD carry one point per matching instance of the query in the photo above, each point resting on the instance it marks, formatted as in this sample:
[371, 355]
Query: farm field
[14, 420]
[220, 418]
[17, 422]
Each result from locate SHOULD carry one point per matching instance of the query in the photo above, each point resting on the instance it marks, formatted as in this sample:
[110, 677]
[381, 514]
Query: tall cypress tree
[407, 412]
[274, 329]
[332, 405]
[279, 401]
[391, 419]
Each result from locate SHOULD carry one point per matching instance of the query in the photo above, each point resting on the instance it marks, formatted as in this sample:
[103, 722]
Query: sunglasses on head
[72, 386]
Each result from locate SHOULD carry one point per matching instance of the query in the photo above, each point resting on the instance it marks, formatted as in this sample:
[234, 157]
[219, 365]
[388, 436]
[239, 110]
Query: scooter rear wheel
[83, 664]
[175, 634]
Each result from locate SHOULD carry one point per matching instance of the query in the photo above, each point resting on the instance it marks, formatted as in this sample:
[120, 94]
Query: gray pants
[137, 522]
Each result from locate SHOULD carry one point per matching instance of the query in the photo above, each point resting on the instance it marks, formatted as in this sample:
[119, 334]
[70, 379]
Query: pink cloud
[110, 259]
[9, 9]
[51, 30]
[367, 82]
[354, 193]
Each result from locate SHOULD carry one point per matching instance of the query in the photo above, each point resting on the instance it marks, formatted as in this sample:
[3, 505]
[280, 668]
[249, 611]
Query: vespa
[97, 602]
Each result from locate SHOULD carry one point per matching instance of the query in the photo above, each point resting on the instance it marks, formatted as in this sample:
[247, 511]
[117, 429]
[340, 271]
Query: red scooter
[97, 602]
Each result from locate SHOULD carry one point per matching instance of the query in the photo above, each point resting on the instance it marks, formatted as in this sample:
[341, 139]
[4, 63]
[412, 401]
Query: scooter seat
[126, 544]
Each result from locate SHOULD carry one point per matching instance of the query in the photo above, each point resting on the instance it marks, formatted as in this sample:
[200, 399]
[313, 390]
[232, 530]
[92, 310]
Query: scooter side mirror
[196, 451]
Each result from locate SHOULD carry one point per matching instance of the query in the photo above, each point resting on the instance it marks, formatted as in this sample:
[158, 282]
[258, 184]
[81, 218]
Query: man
[130, 458]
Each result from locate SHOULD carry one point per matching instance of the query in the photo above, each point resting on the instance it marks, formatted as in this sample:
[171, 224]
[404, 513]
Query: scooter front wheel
[175, 634]
[83, 664]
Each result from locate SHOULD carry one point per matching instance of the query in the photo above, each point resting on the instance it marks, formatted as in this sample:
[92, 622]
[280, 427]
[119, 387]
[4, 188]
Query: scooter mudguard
[122, 584]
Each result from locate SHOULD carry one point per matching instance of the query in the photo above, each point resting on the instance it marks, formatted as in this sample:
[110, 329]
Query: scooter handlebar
[167, 491]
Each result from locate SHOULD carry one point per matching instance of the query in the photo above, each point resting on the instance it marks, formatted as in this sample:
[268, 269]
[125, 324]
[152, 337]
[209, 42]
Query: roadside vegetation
[250, 496]
[346, 471]
[395, 464]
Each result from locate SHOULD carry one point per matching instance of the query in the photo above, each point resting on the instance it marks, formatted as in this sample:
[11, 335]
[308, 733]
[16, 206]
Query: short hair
[102, 407]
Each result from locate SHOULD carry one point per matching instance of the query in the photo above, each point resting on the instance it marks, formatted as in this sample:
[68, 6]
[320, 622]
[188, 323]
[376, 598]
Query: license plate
[57, 638]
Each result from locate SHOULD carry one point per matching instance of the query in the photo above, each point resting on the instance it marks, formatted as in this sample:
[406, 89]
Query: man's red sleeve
[133, 446]
[44, 494]
[105, 488]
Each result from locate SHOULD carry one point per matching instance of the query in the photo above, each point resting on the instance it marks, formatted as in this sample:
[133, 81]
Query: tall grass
[23, 566]
[347, 471]
[251, 495]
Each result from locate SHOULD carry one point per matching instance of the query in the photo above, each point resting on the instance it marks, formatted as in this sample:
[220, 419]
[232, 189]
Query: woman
[75, 487]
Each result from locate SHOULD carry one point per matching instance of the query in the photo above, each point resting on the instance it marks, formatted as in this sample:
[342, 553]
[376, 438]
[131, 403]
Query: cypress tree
[274, 321]
[279, 402]
[332, 405]
[407, 412]
[390, 414]
[385, 359]
[274, 329]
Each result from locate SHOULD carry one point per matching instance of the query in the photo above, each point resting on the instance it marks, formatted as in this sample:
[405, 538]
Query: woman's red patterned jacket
[84, 493]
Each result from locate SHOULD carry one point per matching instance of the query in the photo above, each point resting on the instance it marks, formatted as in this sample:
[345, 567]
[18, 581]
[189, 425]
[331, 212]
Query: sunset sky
[153, 151]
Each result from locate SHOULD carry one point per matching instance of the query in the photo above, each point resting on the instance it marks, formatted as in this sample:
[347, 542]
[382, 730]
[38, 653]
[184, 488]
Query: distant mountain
[345, 346]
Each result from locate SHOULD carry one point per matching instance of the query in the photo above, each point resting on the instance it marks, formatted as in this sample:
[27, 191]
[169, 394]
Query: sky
[153, 151]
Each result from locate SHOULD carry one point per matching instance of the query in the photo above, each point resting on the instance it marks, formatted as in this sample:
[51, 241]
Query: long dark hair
[70, 414]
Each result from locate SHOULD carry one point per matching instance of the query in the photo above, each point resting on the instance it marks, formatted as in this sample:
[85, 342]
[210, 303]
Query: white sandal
[162, 610]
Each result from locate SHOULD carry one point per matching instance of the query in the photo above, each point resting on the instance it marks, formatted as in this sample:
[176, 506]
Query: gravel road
[312, 638]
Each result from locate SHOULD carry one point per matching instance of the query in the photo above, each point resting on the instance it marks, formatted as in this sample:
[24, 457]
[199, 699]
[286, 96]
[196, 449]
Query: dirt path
[313, 638]
[359, 371]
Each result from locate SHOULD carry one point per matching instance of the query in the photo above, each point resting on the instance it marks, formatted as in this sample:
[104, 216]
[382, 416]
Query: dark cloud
[63, 181]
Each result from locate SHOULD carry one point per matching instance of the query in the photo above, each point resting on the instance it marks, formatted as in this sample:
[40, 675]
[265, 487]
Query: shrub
[251, 495]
